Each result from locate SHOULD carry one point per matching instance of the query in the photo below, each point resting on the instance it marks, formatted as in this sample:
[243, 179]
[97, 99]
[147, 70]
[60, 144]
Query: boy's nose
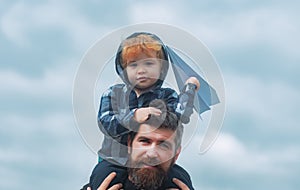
[141, 70]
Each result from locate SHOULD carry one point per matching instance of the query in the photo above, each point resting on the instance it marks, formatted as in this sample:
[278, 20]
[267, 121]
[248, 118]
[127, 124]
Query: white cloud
[10, 27]
[6, 175]
[267, 101]
[22, 19]
[47, 149]
[231, 157]
[231, 154]
[269, 26]
[151, 12]
[273, 26]
[54, 83]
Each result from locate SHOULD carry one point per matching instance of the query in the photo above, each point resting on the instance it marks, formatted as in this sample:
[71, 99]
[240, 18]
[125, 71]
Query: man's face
[143, 71]
[152, 153]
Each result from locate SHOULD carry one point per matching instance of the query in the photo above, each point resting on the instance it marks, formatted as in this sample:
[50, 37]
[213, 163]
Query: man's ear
[129, 141]
[177, 153]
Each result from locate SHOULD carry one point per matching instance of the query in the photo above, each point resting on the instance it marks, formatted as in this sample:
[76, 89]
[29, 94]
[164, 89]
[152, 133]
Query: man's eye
[144, 140]
[164, 145]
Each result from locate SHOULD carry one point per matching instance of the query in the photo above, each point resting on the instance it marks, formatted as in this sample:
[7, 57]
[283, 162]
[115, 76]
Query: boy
[142, 63]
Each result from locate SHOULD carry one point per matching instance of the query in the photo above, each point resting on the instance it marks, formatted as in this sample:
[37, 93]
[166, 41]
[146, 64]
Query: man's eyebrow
[159, 141]
[142, 137]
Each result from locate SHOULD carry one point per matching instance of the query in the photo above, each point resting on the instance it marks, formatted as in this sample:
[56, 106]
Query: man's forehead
[146, 130]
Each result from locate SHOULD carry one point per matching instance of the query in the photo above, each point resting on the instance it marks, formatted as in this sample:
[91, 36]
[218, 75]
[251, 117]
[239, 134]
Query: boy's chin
[144, 87]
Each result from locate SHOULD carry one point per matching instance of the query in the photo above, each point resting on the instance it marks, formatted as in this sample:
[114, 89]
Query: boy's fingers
[154, 111]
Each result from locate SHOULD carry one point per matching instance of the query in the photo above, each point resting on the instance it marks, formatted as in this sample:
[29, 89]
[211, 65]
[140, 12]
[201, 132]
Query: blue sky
[255, 44]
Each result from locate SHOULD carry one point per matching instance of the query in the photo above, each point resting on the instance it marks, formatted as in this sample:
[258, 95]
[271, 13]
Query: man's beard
[145, 178]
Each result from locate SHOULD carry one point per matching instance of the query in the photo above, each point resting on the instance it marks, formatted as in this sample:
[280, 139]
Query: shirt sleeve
[113, 120]
[171, 99]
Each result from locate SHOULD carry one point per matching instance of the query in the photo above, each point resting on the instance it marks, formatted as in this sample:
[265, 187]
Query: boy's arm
[186, 102]
[186, 99]
[112, 120]
[142, 114]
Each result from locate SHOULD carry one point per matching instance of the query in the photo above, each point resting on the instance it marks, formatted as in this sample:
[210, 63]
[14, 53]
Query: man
[153, 150]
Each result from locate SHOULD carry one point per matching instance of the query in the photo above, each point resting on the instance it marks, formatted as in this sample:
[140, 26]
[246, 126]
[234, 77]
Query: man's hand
[104, 185]
[142, 114]
[180, 184]
[193, 80]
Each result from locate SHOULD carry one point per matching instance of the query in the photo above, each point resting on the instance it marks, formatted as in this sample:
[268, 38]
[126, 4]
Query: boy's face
[143, 71]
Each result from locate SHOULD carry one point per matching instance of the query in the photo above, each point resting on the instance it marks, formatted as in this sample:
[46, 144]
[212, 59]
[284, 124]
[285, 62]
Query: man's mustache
[148, 162]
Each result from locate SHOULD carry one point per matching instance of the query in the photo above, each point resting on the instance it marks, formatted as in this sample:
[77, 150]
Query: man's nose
[152, 153]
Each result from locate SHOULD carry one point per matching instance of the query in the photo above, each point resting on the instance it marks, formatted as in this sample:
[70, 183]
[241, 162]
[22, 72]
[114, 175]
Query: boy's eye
[149, 63]
[132, 65]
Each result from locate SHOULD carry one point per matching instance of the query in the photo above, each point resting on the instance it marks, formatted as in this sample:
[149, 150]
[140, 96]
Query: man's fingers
[116, 186]
[104, 185]
[180, 184]
[89, 188]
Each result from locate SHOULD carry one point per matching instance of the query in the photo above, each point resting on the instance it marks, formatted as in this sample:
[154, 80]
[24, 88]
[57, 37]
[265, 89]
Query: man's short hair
[167, 120]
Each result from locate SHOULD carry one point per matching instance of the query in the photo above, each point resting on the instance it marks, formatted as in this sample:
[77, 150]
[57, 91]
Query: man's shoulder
[128, 185]
[182, 170]
[179, 172]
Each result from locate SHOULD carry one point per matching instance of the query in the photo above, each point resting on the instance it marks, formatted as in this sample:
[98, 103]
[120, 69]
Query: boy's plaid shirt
[115, 117]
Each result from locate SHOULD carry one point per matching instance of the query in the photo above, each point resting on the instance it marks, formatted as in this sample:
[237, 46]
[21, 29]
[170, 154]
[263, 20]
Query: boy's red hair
[132, 47]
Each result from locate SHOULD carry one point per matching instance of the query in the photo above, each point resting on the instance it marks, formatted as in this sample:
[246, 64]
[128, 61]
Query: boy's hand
[193, 80]
[142, 114]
